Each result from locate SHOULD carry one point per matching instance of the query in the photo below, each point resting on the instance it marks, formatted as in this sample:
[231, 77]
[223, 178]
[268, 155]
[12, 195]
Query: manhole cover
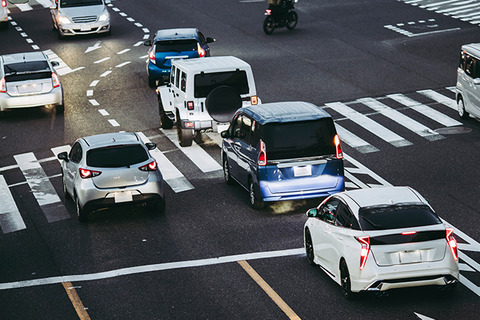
[453, 130]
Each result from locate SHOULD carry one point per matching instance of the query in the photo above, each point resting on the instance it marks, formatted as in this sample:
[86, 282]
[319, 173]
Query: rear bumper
[318, 192]
[54, 97]
[156, 73]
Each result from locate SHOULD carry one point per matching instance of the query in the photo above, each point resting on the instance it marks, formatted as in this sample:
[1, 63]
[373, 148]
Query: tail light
[56, 81]
[262, 157]
[189, 124]
[3, 85]
[268, 12]
[254, 100]
[85, 173]
[190, 105]
[201, 51]
[152, 166]
[365, 242]
[452, 243]
[338, 148]
[151, 56]
[4, 3]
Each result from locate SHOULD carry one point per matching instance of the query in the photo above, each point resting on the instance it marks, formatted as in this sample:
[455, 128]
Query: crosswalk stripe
[402, 119]
[439, 98]
[172, 176]
[367, 123]
[45, 3]
[10, 218]
[41, 187]
[62, 68]
[24, 6]
[195, 153]
[425, 110]
[354, 141]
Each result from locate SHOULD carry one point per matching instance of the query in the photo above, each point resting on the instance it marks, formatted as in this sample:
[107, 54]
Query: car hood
[82, 11]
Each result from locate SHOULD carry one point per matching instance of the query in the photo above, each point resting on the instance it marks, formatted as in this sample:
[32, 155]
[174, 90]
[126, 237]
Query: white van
[468, 81]
[73, 17]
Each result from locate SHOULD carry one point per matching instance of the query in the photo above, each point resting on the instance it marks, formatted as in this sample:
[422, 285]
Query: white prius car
[380, 239]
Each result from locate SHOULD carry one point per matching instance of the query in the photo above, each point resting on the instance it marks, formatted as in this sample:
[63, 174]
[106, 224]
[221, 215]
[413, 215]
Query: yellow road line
[271, 293]
[77, 303]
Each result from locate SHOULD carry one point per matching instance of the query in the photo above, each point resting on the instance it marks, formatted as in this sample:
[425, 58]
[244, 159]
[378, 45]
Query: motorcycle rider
[279, 9]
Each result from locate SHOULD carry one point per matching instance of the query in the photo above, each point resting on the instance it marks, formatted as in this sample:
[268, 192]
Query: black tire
[59, 109]
[268, 25]
[345, 281]
[309, 248]
[292, 20]
[165, 121]
[152, 83]
[159, 206]
[461, 109]
[185, 136]
[82, 214]
[256, 203]
[226, 171]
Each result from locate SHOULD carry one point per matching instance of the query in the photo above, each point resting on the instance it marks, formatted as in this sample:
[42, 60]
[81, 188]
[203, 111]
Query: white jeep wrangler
[203, 94]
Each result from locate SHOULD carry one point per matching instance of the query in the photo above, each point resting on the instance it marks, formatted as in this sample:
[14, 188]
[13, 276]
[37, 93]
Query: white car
[3, 14]
[380, 239]
[74, 17]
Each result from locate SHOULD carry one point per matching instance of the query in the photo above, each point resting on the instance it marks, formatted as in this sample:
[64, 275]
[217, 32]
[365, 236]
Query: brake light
[85, 173]
[452, 243]
[190, 105]
[4, 3]
[407, 233]
[152, 166]
[262, 157]
[151, 56]
[253, 100]
[268, 12]
[201, 51]
[56, 81]
[3, 85]
[365, 242]
[338, 148]
[189, 124]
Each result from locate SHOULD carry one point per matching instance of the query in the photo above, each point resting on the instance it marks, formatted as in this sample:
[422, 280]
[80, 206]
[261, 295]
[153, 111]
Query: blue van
[283, 151]
[168, 44]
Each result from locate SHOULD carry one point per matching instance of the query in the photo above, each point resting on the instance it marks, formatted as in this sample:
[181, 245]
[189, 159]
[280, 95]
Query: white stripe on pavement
[439, 98]
[45, 3]
[354, 141]
[10, 218]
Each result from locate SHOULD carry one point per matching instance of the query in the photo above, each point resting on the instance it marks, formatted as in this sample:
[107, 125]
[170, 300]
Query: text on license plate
[123, 196]
[302, 171]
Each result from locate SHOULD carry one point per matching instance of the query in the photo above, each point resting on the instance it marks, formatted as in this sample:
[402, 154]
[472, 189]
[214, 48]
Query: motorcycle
[274, 20]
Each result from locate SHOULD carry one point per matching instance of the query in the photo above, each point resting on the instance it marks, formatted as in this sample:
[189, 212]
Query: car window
[176, 45]
[27, 71]
[202, 38]
[77, 3]
[206, 82]
[177, 78]
[461, 63]
[299, 139]
[183, 82]
[75, 154]
[255, 134]
[172, 75]
[328, 211]
[345, 218]
[238, 129]
[397, 216]
[116, 156]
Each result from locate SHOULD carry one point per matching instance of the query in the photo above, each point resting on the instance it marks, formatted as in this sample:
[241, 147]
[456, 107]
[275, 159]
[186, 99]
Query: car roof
[284, 112]
[109, 139]
[176, 34]
[24, 57]
[372, 197]
[472, 48]
[211, 64]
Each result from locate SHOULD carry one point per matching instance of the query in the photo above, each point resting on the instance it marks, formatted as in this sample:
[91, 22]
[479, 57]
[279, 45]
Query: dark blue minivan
[283, 151]
[168, 44]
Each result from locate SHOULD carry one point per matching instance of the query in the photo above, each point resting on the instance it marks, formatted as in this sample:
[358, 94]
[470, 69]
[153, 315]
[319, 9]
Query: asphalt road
[196, 261]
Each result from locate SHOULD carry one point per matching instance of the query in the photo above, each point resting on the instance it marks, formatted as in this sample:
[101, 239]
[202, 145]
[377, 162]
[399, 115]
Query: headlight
[63, 20]
[104, 16]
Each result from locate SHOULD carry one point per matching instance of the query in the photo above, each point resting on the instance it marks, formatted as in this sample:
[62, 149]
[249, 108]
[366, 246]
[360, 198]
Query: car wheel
[345, 281]
[292, 20]
[461, 109]
[82, 214]
[59, 109]
[165, 121]
[159, 206]
[185, 136]
[152, 83]
[254, 201]
[309, 248]
[226, 171]
[268, 25]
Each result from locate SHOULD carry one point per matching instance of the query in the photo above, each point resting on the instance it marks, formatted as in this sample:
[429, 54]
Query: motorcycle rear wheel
[292, 20]
[268, 25]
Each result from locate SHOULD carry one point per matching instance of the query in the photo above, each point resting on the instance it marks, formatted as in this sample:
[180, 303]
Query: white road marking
[94, 47]
[439, 98]
[138, 24]
[24, 6]
[106, 73]
[353, 140]
[102, 60]
[114, 123]
[122, 64]
[45, 3]
[89, 93]
[123, 51]
[57, 150]
[10, 218]
[94, 83]
[103, 112]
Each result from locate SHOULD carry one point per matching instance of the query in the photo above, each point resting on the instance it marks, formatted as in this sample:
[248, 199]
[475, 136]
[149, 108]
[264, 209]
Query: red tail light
[56, 81]
[201, 51]
[4, 3]
[365, 242]
[85, 173]
[262, 157]
[3, 85]
[452, 243]
[190, 105]
[151, 56]
[268, 12]
[254, 100]
[152, 166]
[338, 148]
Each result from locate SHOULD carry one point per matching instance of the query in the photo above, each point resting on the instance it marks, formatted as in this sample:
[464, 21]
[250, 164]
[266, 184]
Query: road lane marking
[354, 141]
[10, 218]
[75, 299]
[440, 98]
[268, 290]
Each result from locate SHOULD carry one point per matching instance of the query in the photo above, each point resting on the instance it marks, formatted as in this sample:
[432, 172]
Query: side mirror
[55, 63]
[147, 43]
[225, 134]
[312, 213]
[63, 156]
[151, 145]
[210, 40]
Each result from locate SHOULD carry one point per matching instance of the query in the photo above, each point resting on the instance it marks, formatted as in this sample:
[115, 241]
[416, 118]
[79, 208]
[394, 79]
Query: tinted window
[397, 216]
[328, 211]
[116, 156]
[183, 84]
[76, 3]
[345, 218]
[206, 82]
[299, 139]
[27, 71]
[76, 153]
[176, 45]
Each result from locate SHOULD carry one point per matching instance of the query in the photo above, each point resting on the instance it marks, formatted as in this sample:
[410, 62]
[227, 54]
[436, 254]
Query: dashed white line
[122, 64]
[106, 73]
[114, 123]
[102, 60]
[89, 93]
[94, 102]
[94, 83]
[123, 51]
[103, 112]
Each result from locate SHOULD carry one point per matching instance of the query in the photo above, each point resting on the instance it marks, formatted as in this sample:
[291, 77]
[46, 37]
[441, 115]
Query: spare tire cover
[222, 103]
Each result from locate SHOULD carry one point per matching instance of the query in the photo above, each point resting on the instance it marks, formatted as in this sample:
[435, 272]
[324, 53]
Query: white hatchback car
[381, 239]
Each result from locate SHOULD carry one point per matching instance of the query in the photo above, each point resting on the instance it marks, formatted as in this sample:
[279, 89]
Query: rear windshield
[397, 216]
[27, 71]
[206, 82]
[77, 3]
[116, 156]
[299, 139]
[176, 45]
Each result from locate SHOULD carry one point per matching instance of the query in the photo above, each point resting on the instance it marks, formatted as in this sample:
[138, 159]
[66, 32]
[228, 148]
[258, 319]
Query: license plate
[302, 171]
[410, 256]
[85, 28]
[123, 196]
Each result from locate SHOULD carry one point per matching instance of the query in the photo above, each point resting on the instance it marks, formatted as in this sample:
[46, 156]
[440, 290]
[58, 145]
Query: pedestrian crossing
[418, 113]
[464, 10]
